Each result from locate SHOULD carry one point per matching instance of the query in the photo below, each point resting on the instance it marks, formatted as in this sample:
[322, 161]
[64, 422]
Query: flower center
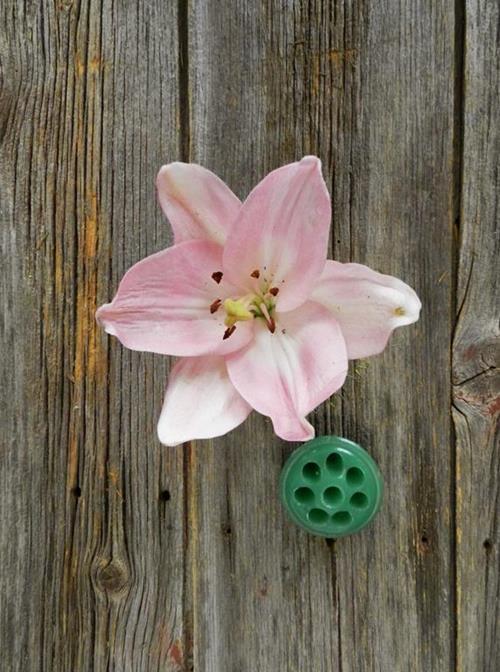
[258, 304]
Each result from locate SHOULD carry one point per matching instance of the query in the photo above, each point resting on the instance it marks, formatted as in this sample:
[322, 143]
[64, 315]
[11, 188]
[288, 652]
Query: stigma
[237, 310]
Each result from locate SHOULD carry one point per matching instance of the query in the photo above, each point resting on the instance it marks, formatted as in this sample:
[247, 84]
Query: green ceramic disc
[331, 487]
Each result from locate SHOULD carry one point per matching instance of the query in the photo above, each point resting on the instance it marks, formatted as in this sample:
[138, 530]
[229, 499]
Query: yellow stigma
[236, 311]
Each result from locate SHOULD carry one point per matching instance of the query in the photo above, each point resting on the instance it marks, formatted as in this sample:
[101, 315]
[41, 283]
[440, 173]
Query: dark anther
[272, 326]
[228, 332]
[217, 276]
[274, 291]
[255, 274]
[215, 305]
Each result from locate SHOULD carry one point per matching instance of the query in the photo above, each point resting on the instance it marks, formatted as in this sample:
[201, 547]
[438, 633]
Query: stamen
[255, 274]
[264, 311]
[271, 324]
[274, 291]
[214, 307]
[217, 276]
[228, 332]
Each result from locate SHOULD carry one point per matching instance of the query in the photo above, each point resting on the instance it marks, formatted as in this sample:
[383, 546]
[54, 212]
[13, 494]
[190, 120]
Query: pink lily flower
[248, 299]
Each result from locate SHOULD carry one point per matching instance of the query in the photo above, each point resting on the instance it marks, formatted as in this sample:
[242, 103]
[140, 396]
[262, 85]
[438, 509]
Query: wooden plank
[264, 594]
[477, 349]
[94, 97]
[399, 575]
[367, 87]
[91, 555]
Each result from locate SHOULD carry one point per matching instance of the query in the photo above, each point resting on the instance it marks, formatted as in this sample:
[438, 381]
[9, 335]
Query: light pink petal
[287, 374]
[197, 203]
[163, 304]
[282, 231]
[367, 304]
[200, 402]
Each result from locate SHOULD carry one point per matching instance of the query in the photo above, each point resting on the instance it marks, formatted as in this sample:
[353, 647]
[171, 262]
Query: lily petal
[163, 304]
[197, 203]
[282, 232]
[367, 304]
[200, 402]
[286, 374]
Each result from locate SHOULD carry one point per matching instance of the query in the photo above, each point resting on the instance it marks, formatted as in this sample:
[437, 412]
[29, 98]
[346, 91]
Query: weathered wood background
[120, 555]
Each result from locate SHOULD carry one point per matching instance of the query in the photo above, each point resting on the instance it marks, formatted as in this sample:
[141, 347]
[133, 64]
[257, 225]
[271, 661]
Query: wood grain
[476, 359]
[400, 222]
[92, 572]
[119, 555]
[351, 83]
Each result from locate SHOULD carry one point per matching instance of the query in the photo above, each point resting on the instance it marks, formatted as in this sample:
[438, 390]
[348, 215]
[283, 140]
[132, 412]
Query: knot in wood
[113, 578]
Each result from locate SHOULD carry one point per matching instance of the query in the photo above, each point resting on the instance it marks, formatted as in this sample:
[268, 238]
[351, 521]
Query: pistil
[237, 311]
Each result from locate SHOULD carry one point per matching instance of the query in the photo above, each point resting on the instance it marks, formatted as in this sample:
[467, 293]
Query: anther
[255, 274]
[274, 291]
[215, 305]
[217, 276]
[228, 332]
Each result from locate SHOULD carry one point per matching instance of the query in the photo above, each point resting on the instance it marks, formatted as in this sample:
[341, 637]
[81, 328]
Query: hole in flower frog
[333, 495]
[342, 518]
[359, 500]
[335, 463]
[354, 476]
[304, 495]
[311, 471]
[318, 516]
